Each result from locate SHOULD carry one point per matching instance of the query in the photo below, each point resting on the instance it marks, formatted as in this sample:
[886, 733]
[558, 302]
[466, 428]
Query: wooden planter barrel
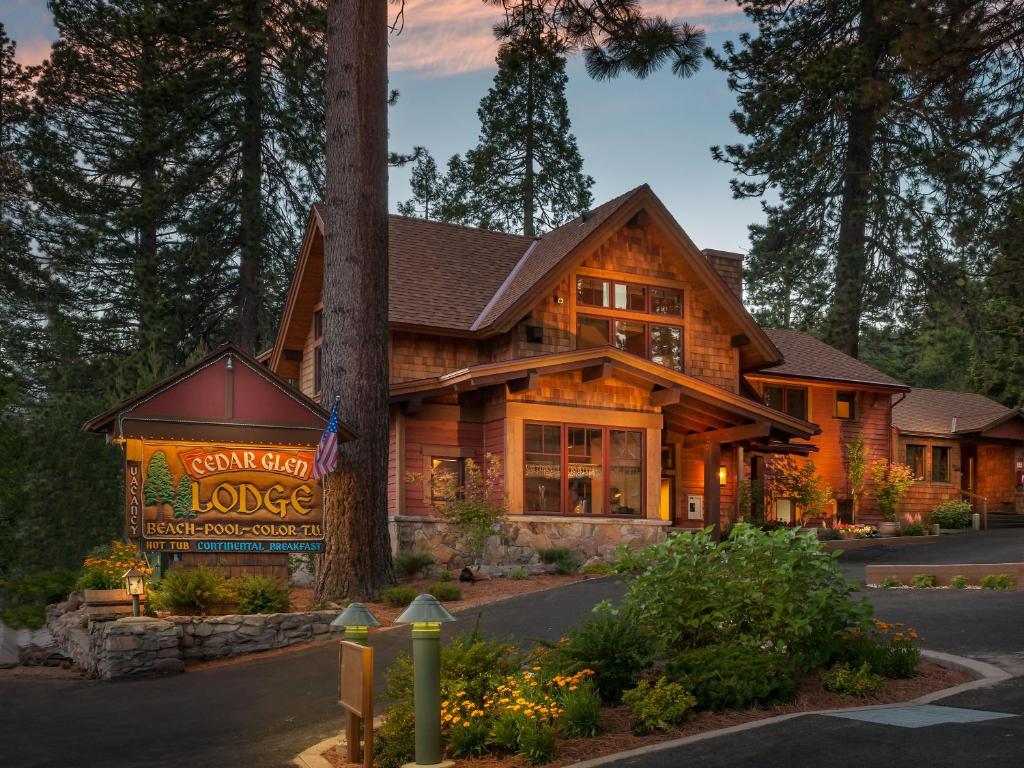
[105, 604]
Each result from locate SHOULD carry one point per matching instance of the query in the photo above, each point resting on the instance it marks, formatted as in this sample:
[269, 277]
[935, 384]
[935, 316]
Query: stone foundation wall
[523, 535]
[145, 646]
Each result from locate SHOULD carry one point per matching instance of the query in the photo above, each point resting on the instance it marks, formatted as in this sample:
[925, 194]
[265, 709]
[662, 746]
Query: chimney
[730, 266]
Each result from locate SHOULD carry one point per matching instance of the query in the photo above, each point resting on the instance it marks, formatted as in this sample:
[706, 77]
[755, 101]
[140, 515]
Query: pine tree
[428, 194]
[526, 172]
[182, 502]
[877, 123]
[159, 487]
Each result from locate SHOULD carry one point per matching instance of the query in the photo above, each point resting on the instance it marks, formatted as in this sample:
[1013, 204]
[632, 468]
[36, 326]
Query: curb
[313, 757]
[985, 674]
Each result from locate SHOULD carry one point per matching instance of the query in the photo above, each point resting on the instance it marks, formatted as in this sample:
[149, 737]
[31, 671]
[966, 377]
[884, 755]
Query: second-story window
[791, 400]
[620, 314]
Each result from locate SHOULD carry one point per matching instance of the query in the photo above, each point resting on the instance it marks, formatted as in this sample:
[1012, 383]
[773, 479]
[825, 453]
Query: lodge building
[612, 368]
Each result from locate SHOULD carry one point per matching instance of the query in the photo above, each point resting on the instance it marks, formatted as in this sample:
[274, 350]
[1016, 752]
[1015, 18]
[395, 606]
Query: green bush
[958, 582]
[505, 731]
[890, 650]
[94, 579]
[25, 616]
[611, 644]
[469, 740]
[445, 575]
[412, 561]
[536, 742]
[734, 676]
[998, 581]
[776, 589]
[922, 580]
[519, 574]
[890, 582]
[190, 591]
[826, 533]
[25, 598]
[913, 529]
[581, 711]
[560, 557]
[952, 514]
[658, 707]
[469, 663]
[398, 597]
[258, 594]
[394, 742]
[445, 591]
[860, 682]
[598, 569]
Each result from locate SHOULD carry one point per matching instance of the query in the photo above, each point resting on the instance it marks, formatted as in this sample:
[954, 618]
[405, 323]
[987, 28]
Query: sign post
[355, 693]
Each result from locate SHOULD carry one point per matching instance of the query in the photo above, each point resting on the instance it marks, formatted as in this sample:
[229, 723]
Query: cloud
[447, 37]
[32, 51]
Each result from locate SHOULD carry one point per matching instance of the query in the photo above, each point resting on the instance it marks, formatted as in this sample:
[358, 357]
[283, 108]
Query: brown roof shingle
[808, 357]
[940, 412]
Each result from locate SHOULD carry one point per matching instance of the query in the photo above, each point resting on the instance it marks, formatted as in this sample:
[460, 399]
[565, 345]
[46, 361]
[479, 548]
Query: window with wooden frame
[582, 470]
[318, 337]
[846, 405]
[915, 460]
[791, 400]
[446, 471]
[940, 463]
[622, 322]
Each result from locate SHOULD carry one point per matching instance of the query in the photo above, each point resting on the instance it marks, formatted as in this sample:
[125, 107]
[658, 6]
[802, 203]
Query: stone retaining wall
[523, 535]
[145, 646]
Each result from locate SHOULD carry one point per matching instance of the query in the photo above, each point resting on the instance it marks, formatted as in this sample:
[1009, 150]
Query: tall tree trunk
[529, 228]
[842, 326]
[250, 207]
[357, 559]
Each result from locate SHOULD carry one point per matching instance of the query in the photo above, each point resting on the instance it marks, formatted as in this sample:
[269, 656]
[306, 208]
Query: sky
[656, 131]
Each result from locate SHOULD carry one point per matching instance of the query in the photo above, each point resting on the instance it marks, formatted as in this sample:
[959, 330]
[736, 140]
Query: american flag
[326, 458]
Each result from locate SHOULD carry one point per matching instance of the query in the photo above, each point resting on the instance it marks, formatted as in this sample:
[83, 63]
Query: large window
[915, 460]
[791, 400]
[446, 474]
[583, 470]
[940, 463]
[655, 339]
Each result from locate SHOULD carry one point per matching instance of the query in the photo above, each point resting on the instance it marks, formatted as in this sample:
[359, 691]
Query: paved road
[262, 713]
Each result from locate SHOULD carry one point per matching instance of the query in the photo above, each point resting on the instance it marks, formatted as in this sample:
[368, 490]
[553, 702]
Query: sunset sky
[629, 131]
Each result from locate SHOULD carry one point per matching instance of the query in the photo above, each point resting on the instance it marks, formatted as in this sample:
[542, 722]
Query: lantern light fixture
[723, 475]
[135, 585]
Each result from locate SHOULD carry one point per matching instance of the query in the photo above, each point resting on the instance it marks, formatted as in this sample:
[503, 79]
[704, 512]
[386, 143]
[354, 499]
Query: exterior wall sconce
[723, 475]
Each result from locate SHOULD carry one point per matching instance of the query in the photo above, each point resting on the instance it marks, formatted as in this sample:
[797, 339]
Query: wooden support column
[712, 492]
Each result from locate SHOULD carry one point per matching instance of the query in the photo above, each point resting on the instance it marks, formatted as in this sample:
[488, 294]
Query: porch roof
[690, 405]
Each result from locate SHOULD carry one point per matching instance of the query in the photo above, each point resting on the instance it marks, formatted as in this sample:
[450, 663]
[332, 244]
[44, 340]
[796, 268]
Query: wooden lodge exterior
[609, 364]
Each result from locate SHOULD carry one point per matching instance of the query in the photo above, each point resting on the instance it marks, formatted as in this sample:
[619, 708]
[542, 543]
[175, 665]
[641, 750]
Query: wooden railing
[984, 506]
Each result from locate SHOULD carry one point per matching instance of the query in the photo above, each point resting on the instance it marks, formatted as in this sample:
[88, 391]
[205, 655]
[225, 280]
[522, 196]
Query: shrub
[190, 591]
[958, 582]
[394, 742]
[889, 582]
[560, 557]
[734, 676]
[469, 738]
[658, 707]
[469, 508]
[952, 514]
[890, 649]
[998, 581]
[536, 742]
[892, 480]
[25, 598]
[445, 591]
[25, 616]
[613, 645]
[519, 574]
[412, 561]
[913, 529]
[827, 533]
[398, 597]
[258, 594]
[445, 575]
[922, 580]
[105, 567]
[861, 682]
[598, 569]
[581, 711]
[777, 589]
[786, 478]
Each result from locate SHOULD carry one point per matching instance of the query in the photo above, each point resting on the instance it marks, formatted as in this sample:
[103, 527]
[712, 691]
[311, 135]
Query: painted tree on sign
[159, 487]
[182, 502]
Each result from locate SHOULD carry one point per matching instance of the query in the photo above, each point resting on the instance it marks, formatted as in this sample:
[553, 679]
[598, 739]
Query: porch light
[723, 475]
[135, 585]
[356, 620]
[426, 614]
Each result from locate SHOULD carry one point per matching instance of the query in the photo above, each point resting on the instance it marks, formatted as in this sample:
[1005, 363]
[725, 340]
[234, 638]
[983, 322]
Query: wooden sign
[133, 500]
[204, 497]
[355, 693]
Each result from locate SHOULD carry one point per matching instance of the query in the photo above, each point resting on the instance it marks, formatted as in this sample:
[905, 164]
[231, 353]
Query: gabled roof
[809, 358]
[456, 280]
[625, 364]
[227, 388]
[940, 412]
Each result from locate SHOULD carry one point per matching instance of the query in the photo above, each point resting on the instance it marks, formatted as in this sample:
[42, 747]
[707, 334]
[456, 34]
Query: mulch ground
[617, 736]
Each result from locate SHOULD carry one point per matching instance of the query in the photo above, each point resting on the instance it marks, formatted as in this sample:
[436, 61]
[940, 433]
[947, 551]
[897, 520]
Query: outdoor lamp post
[135, 585]
[426, 614]
[356, 620]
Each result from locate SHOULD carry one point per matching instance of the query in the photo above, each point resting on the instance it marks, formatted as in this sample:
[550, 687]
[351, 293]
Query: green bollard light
[426, 615]
[356, 620]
